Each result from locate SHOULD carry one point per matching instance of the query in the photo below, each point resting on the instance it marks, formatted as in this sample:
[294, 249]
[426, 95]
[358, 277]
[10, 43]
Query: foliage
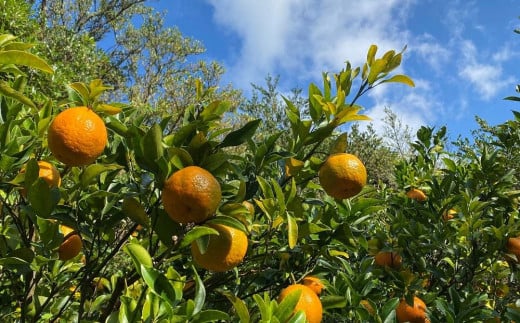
[135, 264]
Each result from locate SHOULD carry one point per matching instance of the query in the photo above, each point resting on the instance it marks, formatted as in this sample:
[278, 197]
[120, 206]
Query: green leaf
[132, 208]
[400, 79]
[159, 284]
[228, 221]
[9, 92]
[239, 306]
[18, 57]
[93, 171]
[196, 233]
[167, 229]
[285, 309]
[333, 301]
[140, 256]
[152, 143]
[340, 144]
[210, 316]
[292, 231]
[42, 198]
[371, 54]
[376, 69]
[200, 293]
[12, 261]
[238, 137]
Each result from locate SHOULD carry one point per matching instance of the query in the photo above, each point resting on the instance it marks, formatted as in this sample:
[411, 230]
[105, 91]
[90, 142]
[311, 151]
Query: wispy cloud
[302, 38]
[487, 78]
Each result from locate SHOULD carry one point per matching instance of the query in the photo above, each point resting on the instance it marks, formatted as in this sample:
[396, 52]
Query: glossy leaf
[18, 57]
[140, 256]
[238, 137]
[403, 79]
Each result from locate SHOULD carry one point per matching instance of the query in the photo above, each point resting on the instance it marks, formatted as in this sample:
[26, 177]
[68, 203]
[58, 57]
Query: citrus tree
[113, 213]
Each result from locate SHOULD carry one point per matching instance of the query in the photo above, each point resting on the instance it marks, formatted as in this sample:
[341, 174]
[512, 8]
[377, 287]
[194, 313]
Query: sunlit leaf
[23, 58]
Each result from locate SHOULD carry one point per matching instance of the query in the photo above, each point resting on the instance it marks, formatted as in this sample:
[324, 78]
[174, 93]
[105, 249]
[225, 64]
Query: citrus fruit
[77, 136]
[416, 194]
[342, 175]
[191, 194]
[313, 283]
[388, 258]
[513, 246]
[70, 247]
[414, 314]
[448, 214]
[308, 302]
[224, 251]
[48, 173]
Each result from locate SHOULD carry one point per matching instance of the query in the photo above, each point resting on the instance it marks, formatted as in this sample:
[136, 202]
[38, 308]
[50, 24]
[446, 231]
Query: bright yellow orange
[70, 247]
[225, 251]
[191, 194]
[390, 259]
[48, 173]
[313, 283]
[77, 136]
[309, 302]
[342, 175]
[448, 215]
[416, 194]
[413, 314]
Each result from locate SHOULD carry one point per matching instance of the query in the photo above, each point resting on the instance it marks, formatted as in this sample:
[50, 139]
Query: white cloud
[431, 52]
[302, 38]
[487, 78]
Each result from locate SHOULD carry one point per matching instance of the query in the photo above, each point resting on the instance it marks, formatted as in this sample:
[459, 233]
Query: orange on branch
[390, 259]
[415, 313]
[191, 194]
[48, 173]
[416, 194]
[313, 283]
[225, 251]
[308, 302]
[77, 136]
[70, 247]
[342, 175]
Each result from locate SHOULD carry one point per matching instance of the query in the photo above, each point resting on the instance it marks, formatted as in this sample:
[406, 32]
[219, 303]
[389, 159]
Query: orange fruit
[342, 175]
[70, 247]
[388, 258]
[48, 173]
[513, 246]
[77, 136]
[409, 313]
[313, 283]
[416, 194]
[225, 251]
[191, 194]
[309, 302]
[448, 214]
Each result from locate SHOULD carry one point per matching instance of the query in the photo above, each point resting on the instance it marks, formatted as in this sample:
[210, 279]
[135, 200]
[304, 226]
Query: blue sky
[462, 55]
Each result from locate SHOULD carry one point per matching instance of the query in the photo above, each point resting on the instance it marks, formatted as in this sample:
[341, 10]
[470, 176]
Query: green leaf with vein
[9, 92]
[400, 79]
[19, 57]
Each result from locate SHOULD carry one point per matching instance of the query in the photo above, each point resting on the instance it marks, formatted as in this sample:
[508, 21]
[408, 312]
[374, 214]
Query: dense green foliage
[136, 265]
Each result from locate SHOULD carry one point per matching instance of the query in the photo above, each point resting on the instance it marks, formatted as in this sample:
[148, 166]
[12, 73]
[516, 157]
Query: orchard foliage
[135, 263]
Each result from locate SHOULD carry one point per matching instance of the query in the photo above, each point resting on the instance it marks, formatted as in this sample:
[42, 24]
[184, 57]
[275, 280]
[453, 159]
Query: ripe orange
[224, 251]
[191, 194]
[70, 247]
[77, 136]
[413, 314]
[309, 302]
[313, 283]
[342, 175]
[48, 173]
[416, 194]
[388, 258]
[448, 215]
[513, 246]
